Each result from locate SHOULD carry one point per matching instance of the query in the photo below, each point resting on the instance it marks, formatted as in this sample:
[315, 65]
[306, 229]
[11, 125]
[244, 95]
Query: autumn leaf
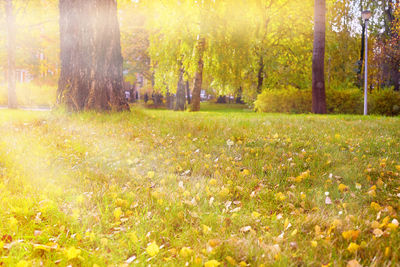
[353, 247]
[117, 213]
[230, 260]
[375, 206]
[212, 263]
[351, 234]
[343, 188]
[72, 253]
[186, 252]
[152, 249]
[353, 263]
[23, 263]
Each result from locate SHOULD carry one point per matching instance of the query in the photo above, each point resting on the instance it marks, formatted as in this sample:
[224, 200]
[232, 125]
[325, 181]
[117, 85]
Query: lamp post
[366, 15]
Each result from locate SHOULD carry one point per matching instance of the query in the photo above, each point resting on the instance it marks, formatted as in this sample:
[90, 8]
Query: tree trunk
[169, 100]
[239, 96]
[260, 76]
[396, 78]
[180, 93]
[318, 79]
[198, 78]
[91, 62]
[188, 93]
[10, 19]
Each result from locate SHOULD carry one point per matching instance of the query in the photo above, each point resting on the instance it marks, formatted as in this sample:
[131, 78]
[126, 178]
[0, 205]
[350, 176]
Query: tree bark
[91, 62]
[260, 76]
[318, 79]
[396, 78]
[188, 93]
[10, 19]
[180, 94]
[198, 78]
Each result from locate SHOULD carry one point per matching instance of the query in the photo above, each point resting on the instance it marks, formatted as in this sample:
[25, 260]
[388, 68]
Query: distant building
[23, 76]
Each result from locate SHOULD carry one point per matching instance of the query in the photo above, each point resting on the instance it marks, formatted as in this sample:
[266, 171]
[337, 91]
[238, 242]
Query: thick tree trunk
[198, 78]
[180, 93]
[318, 79]
[260, 76]
[91, 61]
[10, 19]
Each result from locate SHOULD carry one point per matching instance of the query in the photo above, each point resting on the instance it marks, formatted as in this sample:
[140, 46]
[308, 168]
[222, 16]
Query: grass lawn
[156, 187]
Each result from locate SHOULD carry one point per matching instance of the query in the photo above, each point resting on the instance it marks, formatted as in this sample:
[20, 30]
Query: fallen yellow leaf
[343, 188]
[152, 249]
[353, 247]
[186, 252]
[212, 263]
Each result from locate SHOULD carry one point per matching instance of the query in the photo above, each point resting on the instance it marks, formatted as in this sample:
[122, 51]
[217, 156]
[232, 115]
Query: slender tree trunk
[318, 79]
[10, 18]
[180, 93]
[188, 93]
[169, 100]
[260, 76]
[396, 78]
[91, 61]
[198, 78]
[239, 96]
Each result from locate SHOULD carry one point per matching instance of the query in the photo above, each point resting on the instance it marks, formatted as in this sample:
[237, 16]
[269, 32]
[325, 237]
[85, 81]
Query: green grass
[31, 94]
[88, 188]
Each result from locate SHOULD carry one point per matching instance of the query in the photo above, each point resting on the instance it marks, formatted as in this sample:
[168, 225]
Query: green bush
[290, 100]
[349, 101]
[384, 102]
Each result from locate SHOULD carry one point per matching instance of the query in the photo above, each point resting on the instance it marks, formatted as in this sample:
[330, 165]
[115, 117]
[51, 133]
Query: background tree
[318, 74]
[10, 21]
[91, 61]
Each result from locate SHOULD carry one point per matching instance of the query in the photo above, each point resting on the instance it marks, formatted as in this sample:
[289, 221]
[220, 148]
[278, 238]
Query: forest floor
[156, 187]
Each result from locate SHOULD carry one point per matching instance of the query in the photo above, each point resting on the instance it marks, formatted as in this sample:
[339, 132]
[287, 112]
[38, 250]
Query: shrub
[349, 101]
[384, 102]
[290, 100]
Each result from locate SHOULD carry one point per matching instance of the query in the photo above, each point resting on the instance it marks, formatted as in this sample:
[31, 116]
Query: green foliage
[384, 102]
[290, 100]
[347, 101]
